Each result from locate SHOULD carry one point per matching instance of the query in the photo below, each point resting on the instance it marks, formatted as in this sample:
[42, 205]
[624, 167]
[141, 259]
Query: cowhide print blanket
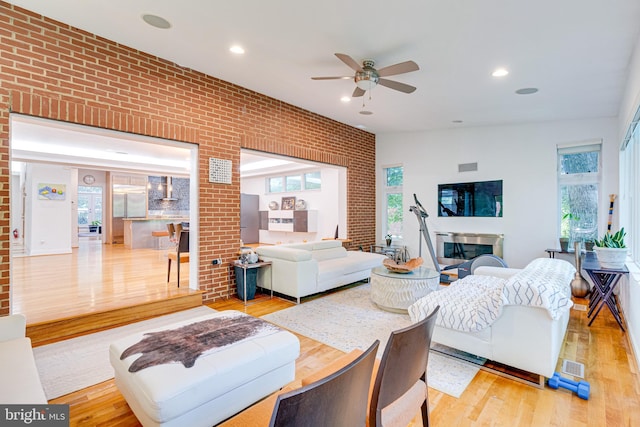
[185, 344]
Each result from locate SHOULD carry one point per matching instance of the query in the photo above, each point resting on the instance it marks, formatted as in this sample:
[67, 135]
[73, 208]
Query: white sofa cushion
[20, 382]
[284, 252]
[545, 282]
[329, 253]
[167, 393]
[470, 304]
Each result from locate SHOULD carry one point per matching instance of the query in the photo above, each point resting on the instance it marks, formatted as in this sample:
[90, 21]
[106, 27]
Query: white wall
[330, 202]
[48, 222]
[523, 156]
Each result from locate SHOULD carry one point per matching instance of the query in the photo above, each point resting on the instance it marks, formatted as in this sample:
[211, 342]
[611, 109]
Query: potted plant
[95, 226]
[565, 240]
[611, 250]
[388, 239]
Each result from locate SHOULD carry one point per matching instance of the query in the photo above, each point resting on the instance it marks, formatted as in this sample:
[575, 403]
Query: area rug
[347, 320]
[77, 363]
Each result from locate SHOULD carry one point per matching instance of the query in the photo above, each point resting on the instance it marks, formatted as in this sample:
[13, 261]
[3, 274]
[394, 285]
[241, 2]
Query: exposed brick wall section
[51, 70]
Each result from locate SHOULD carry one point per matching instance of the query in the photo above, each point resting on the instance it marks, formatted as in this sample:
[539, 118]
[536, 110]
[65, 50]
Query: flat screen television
[470, 199]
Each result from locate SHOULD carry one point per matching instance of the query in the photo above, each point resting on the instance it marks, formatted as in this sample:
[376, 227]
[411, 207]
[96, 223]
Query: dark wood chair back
[183, 243]
[403, 364]
[172, 232]
[337, 400]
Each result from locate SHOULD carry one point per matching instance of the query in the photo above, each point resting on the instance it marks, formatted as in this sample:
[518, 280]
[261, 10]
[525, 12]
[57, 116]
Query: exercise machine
[464, 269]
[422, 215]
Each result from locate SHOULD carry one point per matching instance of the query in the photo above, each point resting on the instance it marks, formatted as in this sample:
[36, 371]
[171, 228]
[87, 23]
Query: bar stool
[158, 235]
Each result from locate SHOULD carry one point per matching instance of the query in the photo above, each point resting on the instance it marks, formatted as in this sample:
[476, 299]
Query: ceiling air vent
[467, 167]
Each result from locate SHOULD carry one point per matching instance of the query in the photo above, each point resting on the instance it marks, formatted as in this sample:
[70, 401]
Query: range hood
[169, 190]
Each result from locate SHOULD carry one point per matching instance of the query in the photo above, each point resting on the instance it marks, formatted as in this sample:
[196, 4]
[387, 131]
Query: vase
[612, 258]
[579, 287]
[388, 241]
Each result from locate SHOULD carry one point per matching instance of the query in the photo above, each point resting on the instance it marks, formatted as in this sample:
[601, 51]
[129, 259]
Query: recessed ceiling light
[361, 126]
[156, 21]
[499, 72]
[366, 112]
[345, 99]
[527, 91]
[237, 49]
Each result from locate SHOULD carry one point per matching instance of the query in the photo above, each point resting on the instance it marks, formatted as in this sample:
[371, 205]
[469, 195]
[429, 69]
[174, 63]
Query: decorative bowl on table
[407, 267]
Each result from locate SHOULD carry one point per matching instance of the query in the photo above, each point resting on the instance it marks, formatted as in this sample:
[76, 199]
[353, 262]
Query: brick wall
[55, 71]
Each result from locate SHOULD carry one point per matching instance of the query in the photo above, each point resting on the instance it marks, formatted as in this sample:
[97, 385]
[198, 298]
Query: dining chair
[400, 388]
[180, 255]
[172, 233]
[179, 228]
[337, 400]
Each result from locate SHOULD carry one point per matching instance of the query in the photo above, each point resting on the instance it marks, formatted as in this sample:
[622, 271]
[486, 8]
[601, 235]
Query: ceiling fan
[367, 77]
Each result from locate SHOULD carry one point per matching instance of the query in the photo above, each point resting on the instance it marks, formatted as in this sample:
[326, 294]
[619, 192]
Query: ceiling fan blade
[332, 78]
[396, 85]
[351, 63]
[358, 92]
[400, 68]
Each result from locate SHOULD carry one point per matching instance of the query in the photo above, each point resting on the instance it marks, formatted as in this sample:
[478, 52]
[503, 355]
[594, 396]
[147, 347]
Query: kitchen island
[137, 231]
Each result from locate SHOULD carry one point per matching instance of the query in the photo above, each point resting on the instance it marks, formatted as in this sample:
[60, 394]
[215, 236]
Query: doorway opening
[91, 274]
[89, 211]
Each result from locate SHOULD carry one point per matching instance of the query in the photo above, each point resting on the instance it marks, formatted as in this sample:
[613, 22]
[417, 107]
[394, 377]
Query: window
[275, 184]
[393, 212]
[578, 188]
[294, 183]
[306, 181]
[312, 181]
[630, 189]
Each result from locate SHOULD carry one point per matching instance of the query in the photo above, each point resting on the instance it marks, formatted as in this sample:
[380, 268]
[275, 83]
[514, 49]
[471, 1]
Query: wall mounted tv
[470, 199]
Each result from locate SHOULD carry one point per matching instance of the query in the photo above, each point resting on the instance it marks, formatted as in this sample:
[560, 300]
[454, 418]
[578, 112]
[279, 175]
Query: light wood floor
[490, 400]
[94, 278]
[57, 285]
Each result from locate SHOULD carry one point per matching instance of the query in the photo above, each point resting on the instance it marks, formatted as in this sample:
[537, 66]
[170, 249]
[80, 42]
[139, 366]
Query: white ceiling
[576, 52]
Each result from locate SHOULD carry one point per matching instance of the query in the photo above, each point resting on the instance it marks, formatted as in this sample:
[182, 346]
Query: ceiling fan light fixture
[368, 78]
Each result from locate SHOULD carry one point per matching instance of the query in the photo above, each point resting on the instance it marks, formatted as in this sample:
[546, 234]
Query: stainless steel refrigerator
[249, 218]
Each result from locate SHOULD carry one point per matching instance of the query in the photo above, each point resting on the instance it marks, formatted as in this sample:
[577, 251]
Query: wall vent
[468, 167]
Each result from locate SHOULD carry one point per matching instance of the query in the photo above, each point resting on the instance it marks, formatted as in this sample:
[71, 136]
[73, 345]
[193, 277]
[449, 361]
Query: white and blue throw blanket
[473, 303]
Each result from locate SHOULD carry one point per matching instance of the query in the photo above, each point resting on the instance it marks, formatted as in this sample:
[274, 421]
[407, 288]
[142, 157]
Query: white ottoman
[242, 359]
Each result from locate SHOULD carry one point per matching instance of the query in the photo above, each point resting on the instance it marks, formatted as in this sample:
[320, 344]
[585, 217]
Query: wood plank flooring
[95, 287]
[490, 400]
[94, 278]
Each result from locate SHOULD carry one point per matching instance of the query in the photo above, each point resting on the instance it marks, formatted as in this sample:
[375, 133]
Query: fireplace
[454, 248]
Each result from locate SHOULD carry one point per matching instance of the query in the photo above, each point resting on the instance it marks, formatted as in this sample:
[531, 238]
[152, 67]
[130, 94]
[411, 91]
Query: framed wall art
[288, 203]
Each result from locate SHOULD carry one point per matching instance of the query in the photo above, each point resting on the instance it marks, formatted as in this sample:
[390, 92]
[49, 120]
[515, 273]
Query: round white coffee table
[397, 291]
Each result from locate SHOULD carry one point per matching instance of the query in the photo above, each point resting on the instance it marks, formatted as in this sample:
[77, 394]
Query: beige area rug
[77, 363]
[347, 320]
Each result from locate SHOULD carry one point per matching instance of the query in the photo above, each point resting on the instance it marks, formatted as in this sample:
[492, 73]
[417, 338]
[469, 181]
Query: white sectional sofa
[20, 382]
[302, 269]
[515, 317]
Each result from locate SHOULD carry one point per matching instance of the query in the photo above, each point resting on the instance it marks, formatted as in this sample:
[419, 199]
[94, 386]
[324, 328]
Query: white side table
[397, 291]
